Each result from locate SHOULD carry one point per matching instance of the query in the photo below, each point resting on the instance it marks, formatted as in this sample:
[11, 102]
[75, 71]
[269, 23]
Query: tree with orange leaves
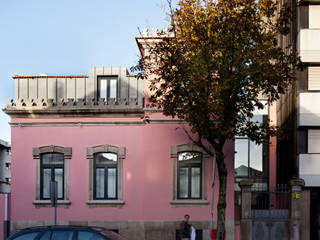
[223, 55]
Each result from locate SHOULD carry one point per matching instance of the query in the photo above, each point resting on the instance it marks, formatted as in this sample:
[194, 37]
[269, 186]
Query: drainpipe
[212, 189]
[6, 222]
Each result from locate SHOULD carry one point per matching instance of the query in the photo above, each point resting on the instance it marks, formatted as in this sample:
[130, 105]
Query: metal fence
[279, 198]
[270, 213]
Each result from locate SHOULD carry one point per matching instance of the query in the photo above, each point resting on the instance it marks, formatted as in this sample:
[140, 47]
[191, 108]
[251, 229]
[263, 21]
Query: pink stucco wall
[273, 149]
[147, 170]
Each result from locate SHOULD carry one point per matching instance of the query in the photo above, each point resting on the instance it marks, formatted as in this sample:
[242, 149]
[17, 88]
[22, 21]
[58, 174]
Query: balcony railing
[72, 106]
[308, 45]
[309, 169]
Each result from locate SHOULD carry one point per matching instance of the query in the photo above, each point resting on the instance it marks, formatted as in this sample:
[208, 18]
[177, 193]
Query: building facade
[5, 162]
[113, 168]
[5, 180]
[299, 110]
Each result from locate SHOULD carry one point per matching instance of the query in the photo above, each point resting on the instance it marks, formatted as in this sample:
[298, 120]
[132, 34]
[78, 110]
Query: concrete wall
[273, 149]
[147, 170]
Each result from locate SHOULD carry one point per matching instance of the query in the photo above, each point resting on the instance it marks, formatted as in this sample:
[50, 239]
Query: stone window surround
[121, 154]
[67, 152]
[189, 147]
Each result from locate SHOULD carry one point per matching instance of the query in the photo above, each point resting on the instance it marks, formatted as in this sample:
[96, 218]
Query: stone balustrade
[72, 104]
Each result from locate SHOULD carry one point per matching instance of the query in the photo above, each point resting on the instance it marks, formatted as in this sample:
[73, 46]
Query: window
[107, 87]
[83, 235]
[62, 235]
[52, 164]
[251, 159]
[51, 169]
[105, 179]
[189, 175]
[313, 140]
[27, 236]
[105, 175]
[314, 78]
[314, 19]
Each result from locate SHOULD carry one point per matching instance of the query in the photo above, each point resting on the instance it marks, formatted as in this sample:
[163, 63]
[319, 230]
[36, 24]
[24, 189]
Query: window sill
[105, 203]
[189, 203]
[47, 203]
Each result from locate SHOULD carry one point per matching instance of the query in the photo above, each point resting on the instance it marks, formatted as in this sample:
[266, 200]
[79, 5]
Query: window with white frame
[108, 87]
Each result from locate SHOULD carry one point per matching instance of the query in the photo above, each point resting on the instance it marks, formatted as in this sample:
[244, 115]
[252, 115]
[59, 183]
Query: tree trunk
[223, 174]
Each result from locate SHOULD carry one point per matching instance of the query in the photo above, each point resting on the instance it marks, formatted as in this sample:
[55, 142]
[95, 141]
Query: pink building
[114, 169]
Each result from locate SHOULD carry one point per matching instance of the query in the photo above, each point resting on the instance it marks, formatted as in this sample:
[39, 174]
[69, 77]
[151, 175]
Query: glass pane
[195, 182]
[103, 88]
[52, 158]
[241, 157]
[61, 235]
[113, 88]
[100, 183]
[82, 235]
[183, 183]
[28, 236]
[112, 182]
[105, 158]
[46, 178]
[256, 156]
[257, 118]
[45, 236]
[58, 177]
[190, 157]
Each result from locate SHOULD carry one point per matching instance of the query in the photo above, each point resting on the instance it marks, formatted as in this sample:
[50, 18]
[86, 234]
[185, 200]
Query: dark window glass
[189, 175]
[107, 87]
[51, 169]
[62, 235]
[84, 235]
[27, 236]
[105, 176]
[45, 236]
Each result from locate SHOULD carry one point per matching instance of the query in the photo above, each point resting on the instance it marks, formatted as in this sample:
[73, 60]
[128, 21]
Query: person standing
[185, 228]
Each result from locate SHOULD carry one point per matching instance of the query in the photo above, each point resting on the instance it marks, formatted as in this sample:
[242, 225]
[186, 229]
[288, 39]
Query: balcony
[309, 109]
[308, 45]
[309, 169]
